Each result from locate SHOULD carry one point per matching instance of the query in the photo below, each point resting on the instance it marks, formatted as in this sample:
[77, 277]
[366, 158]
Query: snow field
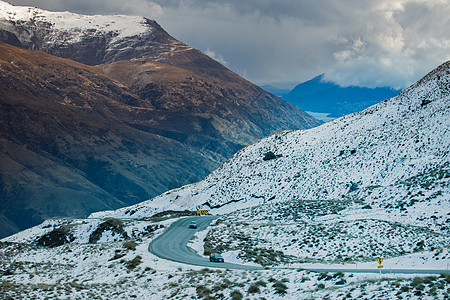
[124, 270]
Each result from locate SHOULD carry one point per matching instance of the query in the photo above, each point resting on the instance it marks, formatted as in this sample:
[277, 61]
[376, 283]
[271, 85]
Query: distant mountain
[317, 95]
[280, 92]
[154, 114]
[393, 156]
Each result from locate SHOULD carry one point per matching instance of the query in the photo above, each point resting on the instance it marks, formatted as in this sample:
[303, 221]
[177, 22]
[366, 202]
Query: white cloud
[215, 56]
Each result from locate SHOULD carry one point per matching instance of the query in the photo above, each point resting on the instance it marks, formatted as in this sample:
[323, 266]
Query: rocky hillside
[198, 111]
[393, 156]
[154, 115]
[70, 142]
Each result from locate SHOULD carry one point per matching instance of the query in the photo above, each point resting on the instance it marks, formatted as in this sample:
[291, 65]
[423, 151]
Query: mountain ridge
[397, 211]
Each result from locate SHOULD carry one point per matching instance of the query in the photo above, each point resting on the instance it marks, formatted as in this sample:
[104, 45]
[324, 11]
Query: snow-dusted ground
[327, 234]
[124, 269]
[197, 243]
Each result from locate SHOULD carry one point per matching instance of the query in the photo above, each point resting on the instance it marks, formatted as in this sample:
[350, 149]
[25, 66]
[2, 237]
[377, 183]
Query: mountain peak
[74, 25]
[89, 39]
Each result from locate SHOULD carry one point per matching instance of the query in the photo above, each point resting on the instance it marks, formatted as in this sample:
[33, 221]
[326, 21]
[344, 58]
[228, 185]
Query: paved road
[383, 271]
[171, 245]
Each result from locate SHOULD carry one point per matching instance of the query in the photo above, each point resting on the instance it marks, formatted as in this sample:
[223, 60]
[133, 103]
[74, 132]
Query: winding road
[172, 245]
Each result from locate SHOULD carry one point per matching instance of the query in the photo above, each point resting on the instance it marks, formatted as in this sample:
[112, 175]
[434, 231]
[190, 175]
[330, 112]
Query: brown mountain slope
[66, 148]
[196, 111]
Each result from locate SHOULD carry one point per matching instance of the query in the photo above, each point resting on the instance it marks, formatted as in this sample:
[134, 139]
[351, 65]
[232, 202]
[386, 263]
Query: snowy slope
[65, 34]
[68, 26]
[391, 153]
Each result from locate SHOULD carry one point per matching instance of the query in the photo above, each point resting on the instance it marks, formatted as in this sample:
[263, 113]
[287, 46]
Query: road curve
[172, 245]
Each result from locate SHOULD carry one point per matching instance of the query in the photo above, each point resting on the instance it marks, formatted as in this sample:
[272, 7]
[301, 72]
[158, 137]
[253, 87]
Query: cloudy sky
[281, 42]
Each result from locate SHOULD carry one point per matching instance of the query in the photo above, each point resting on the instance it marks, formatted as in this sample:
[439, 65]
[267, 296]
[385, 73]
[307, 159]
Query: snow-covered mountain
[90, 39]
[394, 154]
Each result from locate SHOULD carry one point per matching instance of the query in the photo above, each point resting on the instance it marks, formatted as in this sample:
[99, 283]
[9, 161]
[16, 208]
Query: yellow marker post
[380, 261]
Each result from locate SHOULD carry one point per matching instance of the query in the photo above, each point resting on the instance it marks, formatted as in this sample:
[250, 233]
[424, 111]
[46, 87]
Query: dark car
[215, 257]
[193, 225]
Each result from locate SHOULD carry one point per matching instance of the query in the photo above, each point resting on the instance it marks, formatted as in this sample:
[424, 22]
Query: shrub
[420, 287]
[253, 289]
[118, 254]
[432, 291]
[57, 237]
[429, 280]
[341, 282]
[446, 277]
[110, 224]
[280, 287]
[223, 285]
[261, 283]
[416, 281]
[324, 275]
[203, 292]
[133, 263]
[270, 155]
[236, 295]
[130, 245]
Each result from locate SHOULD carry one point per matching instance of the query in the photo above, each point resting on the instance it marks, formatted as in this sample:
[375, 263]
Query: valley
[131, 164]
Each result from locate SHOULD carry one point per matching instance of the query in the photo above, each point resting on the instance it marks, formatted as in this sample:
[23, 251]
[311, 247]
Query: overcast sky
[354, 42]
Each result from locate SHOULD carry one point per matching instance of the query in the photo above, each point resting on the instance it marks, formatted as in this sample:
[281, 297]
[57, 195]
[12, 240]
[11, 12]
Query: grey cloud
[128, 7]
[367, 42]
